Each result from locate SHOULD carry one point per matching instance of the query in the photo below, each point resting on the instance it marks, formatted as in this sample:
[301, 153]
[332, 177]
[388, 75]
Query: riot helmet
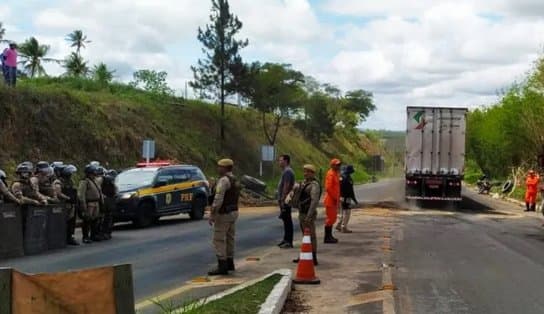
[3, 176]
[24, 170]
[90, 170]
[100, 171]
[68, 171]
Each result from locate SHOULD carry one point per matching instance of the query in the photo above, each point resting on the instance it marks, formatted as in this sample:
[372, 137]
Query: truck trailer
[435, 153]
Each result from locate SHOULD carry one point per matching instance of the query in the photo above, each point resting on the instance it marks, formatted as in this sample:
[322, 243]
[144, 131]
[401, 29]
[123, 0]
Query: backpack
[295, 197]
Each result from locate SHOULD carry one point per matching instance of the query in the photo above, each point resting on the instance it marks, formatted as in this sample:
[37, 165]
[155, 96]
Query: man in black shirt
[347, 196]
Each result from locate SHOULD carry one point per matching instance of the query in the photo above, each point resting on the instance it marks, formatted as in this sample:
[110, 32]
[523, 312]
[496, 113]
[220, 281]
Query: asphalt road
[471, 260]
[163, 257]
[468, 261]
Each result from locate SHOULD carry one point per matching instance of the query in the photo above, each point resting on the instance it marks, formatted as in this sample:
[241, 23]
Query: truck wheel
[144, 217]
[197, 212]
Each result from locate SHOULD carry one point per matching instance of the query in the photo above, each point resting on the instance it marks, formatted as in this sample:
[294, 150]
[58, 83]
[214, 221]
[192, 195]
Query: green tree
[152, 81]
[360, 102]
[275, 90]
[33, 56]
[214, 75]
[76, 66]
[321, 117]
[77, 40]
[102, 74]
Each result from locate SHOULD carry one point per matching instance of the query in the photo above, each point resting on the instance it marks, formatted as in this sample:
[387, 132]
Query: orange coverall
[332, 196]
[531, 182]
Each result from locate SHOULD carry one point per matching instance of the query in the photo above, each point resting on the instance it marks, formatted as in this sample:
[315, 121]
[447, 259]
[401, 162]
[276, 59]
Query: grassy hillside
[79, 120]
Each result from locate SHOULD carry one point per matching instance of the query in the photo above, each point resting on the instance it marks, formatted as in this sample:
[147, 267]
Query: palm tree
[33, 56]
[78, 40]
[75, 65]
[102, 74]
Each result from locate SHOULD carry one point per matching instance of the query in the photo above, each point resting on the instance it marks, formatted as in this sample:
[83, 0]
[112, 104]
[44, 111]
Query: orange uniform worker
[531, 183]
[332, 198]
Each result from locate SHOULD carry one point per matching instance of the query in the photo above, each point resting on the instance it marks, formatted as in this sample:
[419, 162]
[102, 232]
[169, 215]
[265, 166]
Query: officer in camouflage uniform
[223, 216]
[90, 199]
[43, 180]
[109, 190]
[309, 201]
[5, 195]
[66, 184]
[26, 189]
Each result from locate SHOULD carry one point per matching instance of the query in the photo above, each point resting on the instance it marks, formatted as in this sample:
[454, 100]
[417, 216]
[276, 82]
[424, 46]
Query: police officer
[310, 194]
[5, 195]
[43, 178]
[66, 184]
[100, 172]
[90, 198]
[223, 216]
[23, 188]
[109, 190]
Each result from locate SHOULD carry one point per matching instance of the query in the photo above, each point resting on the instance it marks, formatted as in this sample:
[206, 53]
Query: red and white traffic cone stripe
[305, 268]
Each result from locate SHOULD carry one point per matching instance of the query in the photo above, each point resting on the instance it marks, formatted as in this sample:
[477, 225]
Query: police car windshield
[135, 178]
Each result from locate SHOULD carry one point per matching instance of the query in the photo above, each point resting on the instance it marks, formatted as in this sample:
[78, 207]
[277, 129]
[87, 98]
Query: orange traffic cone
[305, 268]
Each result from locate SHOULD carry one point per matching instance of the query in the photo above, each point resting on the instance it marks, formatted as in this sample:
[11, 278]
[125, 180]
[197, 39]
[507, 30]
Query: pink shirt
[11, 58]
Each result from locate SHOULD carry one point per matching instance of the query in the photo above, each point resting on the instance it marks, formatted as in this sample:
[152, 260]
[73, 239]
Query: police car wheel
[197, 212]
[145, 215]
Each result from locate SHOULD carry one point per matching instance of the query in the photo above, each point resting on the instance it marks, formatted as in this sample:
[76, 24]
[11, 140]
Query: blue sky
[451, 53]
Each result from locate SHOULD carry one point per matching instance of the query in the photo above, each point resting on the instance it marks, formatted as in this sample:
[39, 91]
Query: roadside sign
[148, 150]
[267, 153]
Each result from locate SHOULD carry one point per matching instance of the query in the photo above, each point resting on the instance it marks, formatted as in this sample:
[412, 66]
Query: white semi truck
[435, 153]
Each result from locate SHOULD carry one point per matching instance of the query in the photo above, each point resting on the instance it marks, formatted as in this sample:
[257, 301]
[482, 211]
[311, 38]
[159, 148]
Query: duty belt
[228, 209]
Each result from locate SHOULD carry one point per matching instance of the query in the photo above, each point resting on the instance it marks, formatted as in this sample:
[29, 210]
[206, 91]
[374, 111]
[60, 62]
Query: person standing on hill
[347, 194]
[4, 66]
[10, 62]
[531, 183]
[285, 186]
[332, 198]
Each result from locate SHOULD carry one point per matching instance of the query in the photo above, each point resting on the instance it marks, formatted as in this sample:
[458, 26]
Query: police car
[154, 190]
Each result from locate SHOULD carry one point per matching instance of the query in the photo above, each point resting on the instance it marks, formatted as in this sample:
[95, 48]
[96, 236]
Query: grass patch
[245, 301]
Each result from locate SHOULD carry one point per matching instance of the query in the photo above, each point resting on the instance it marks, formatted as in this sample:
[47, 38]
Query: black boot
[528, 208]
[314, 255]
[533, 207]
[85, 230]
[96, 236]
[230, 264]
[72, 241]
[222, 268]
[328, 236]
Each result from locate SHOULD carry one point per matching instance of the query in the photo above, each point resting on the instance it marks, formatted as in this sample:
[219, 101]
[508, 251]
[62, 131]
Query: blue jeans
[5, 73]
[11, 76]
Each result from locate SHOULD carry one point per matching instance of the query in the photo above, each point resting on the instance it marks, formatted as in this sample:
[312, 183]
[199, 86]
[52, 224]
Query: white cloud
[407, 52]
